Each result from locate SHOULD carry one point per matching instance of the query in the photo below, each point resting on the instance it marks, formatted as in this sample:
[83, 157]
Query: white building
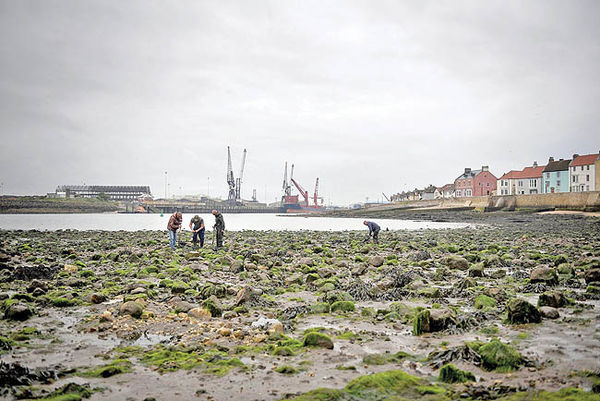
[582, 173]
[525, 182]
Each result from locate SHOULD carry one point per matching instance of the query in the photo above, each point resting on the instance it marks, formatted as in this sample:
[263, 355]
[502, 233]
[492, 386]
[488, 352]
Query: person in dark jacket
[219, 227]
[197, 227]
[174, 225]
[373, 229]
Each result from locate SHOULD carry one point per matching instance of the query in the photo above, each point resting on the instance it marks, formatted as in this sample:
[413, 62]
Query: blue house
[555, 177]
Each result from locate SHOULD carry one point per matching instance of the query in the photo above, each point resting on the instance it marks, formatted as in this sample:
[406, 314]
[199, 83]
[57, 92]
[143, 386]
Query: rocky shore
[506, 309]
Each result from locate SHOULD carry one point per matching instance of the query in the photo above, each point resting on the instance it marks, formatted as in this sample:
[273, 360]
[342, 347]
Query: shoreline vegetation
[505, 310]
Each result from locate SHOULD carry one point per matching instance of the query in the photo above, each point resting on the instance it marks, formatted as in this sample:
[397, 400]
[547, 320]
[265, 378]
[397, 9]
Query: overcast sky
[369, 96]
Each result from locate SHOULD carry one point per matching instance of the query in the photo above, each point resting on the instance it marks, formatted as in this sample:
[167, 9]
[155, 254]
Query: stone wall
[568, 200]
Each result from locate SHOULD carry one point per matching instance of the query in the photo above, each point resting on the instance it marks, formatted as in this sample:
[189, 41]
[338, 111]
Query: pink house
[476, 183]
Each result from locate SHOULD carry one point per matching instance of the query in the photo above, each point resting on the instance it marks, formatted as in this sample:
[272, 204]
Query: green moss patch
[116, 367]
[316, 339]
[451, 374]
[498, 356]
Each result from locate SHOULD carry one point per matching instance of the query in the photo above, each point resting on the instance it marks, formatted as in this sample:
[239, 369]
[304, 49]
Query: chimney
[485, 168]
[551, 159]
[467, 170]
[575, 156]
[535, 164]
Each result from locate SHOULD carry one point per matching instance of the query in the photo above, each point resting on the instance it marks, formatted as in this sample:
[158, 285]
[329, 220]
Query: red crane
[316, 195]
[302, 191]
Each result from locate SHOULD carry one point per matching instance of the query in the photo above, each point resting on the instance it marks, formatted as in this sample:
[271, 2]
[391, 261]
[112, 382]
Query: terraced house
[582, 172]
[475, 183]
[556, 176]
[524, 182]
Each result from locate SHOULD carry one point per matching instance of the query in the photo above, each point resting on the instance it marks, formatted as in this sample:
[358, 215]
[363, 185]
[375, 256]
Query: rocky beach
[504, 309]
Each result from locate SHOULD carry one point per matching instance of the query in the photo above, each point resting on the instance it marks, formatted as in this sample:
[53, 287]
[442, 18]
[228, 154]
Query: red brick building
[475, 183]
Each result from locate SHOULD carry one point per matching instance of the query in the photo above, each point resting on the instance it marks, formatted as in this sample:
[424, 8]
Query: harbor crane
[235, 185]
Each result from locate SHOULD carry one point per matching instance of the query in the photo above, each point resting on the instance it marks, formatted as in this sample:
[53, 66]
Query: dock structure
[111, 192]
[188, 207]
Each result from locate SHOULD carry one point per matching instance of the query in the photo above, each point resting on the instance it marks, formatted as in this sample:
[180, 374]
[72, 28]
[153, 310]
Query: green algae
[286, 370]
[484, 302]
[498, 356]
[342, 306]
[116, 367]
[316, 339]
[451, 374]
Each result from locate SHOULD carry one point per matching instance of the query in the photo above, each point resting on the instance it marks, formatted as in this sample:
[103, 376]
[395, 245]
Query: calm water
[233, 222]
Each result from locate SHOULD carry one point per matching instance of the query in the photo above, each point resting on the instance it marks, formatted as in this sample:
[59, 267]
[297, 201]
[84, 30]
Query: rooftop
[585, 160]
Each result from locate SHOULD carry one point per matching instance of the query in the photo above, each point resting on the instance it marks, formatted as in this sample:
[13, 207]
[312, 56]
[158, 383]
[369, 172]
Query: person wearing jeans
[174, 225]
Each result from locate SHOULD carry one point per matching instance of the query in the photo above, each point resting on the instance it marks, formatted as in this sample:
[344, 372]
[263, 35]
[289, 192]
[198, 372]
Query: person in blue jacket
[373, 229]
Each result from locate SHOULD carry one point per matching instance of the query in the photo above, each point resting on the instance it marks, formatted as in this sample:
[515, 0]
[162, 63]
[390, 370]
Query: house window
[533, 183]
[575, 178]
[520, 183]
[558, 183]
[487, 185]
[581, 168]
[547, 175]
[587, 187]
[587, 167]
[572, 168]
[587, 177]
[557, 174]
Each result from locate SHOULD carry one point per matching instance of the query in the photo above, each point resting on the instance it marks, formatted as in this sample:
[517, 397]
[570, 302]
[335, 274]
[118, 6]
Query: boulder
[71, 269]
[306, 261]
[554, 299]
[359, 269]
[549, 312]
[421, 255]
[429, 321]
[544, 274]
[376, 261]
[37, 284]
[214, 306]
[243, 295]
[456, 262]
[315, 339]
[97, 298]
[18, 311]
[184, 306]
[592, 275]
[326, 272]
[131, 308]
[199, 313]
[520, 311]
[476, 270]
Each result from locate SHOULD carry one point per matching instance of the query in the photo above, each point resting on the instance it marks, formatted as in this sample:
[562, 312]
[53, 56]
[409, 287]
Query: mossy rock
[316, 339]
[451, 374]
[593, 289]
[213, 305]
[498, 356]
[484, 302]
[342, 306]
[430, 292]
[519, 311]
[286, 370]
[564, 394]
[320, 307]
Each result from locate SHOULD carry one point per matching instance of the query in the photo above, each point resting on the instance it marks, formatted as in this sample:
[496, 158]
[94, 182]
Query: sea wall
[567, 200]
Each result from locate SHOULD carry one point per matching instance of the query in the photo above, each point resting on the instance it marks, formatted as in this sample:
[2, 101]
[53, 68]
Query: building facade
[475, 183]
[582, 173]
[524, 182]
[555, 176]
[108, 191]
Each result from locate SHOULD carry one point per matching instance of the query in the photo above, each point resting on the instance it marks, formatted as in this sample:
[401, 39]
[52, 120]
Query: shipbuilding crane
[316, 196]
[287, 189]
[230, 179]
[235, 185]
[238, 181]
